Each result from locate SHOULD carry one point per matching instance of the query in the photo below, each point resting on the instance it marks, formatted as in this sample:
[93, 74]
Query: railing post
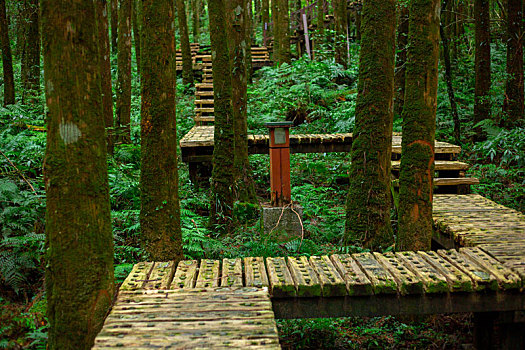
[280, 163]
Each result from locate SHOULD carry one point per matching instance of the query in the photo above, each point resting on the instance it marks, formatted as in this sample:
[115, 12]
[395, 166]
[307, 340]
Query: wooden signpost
[280, 163]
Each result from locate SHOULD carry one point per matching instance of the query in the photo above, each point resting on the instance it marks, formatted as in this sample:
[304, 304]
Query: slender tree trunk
[368, 201]
[114, 25]
[448, 80]
[223, 157]
[187, 64]
[320, 18]
[283, 23]
[265, 19]
[275, 31]
[401, 58]
[249, 39]
[358, 24]
[159, 196]
[514, 99]
[341, 22]
[482, 65]
[7, 59]
[31, 55]
[419, 127]
[238, 36]
[124, 71]
[136, 19]
[196, 20]
[105, 68]
[79, 254]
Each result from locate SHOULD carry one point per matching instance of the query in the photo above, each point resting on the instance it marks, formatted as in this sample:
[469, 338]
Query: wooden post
[265, 34]
[306, 38]
[280, 163]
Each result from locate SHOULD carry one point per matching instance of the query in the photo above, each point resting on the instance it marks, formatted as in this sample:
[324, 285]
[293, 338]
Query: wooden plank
[160, 276]
[357, 283]
[482, 278]
[439, 165]
[255, 272]
[281, 282]
[208, 274]
[231, 273]
[185, 275]
[382, 281]
[332, 284]
[457, 280]
[304, 276]
[138, 275]
[438, 181]
[505, 277]
[407, 281]
[433, 280]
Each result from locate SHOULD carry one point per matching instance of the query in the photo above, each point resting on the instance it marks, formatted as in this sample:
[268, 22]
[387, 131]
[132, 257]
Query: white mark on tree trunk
[69, 132]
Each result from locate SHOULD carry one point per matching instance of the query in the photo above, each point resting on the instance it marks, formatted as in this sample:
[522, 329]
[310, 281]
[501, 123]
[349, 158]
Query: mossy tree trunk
[31, 54]
[265, 19]
[136, 16]
[159, 196]
[223, 156]
[123, 108]
[419, 127]
[275, 30]
[7, 58]
[239, 39]
[320, 17]
[114, 25]
[79, 255]
[341, 23]
[514, 95]
[249, 39]
[105, 68]
[187, 65]
[283, 25]
[482, 65]
[196, 20]
[401, 58]
[368, 201]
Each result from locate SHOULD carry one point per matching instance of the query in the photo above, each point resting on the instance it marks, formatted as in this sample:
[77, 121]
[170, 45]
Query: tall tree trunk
[238, 37]
[401, 58]
[105, 68]
[114, 25]
[265, 19]
[79, 255]
[341, 22]
[136, 19]
[196, 20]
[448, 79]
[159, 196]
[514, 99]
[368, 201]
[223, 157]
[275, 30]
[482, 65]
[250, 40]
[419, 127]
[187, 65]
[283, 23]
[31, 55]
[7, 59]
[320, 18]
[358, 24]
[124, 71]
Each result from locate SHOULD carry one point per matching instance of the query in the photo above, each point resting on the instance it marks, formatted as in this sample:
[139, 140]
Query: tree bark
[136, 20]
[187, 65]
[250, 40]
[368, 201]
[244, 188]
[482, 66]
[105, 69]
[448, 79]
[320, 17]
[401, 58]
[283, 23]
[196, 20]
[419, 127]
[275, 30]
[7, 58]
[159, 196]
[79, 255]
[265, 19]
[31, 55]
[514, 99]
[223, 158]
[114, 25]
[341, 22]
[124, 71]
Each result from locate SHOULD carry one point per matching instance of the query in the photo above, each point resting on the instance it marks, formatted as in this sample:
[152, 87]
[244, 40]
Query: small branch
[20, 173]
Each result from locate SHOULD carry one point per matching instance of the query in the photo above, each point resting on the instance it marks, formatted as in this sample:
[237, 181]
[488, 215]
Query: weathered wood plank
[138, 275]
[185, 275]
[382, 281]
[160, 276]
[433, 280]
[407, 281]
[255, 272]
[281, 281]
[209, 274]
[357, 283]
[304, 276]
[231, 273]
[332, 284]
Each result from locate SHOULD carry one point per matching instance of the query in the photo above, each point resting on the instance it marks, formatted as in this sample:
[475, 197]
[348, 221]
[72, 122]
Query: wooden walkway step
[215, 318]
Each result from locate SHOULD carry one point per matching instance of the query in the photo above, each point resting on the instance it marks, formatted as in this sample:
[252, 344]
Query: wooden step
[441, 181]
[439, 165]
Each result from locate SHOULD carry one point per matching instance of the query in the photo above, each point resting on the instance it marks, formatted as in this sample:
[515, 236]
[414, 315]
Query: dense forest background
[318, 94]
